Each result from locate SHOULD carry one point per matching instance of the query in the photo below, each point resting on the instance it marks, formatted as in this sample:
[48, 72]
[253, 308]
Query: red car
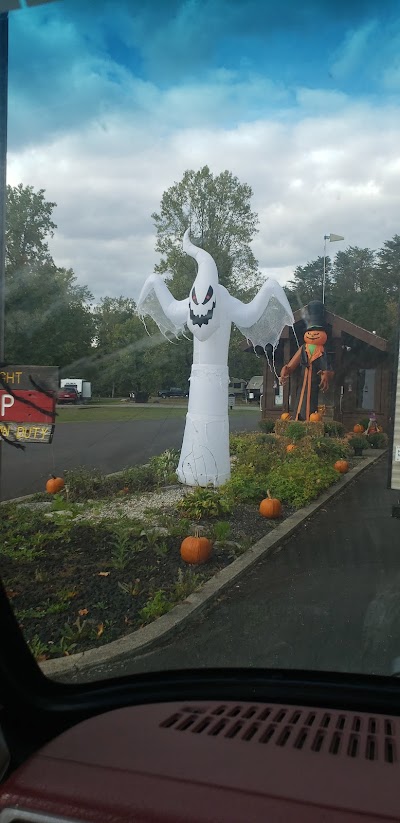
[67, 395]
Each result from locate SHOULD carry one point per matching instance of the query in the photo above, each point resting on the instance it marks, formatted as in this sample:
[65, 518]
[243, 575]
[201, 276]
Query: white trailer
[83, 387]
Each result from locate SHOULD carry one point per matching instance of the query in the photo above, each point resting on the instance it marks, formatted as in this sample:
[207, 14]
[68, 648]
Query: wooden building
[362, 381]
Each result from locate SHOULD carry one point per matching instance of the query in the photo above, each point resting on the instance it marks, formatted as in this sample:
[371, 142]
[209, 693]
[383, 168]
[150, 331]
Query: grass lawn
[114, 413]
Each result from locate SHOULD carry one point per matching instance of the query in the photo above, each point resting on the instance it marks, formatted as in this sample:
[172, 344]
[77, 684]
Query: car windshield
[200, 408]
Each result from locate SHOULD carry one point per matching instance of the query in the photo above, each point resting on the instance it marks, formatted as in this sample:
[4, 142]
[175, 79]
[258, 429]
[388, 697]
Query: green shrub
[331, 449]
[164, 465]
[334, 429]
[378, 440]
[359, 443]
[245, 485]
[83, 483]
[260, 456]
[267, 425]
[300, 480]
[138, 478]
[203, 502]
[295, 431]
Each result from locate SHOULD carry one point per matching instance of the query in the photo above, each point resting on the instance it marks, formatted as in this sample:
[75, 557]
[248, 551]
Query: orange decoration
[290, 448]
[315, 417]
[285, 416]
[358, 428]
[54, 484]
[342, 466]
[271, 507]
[196, 550]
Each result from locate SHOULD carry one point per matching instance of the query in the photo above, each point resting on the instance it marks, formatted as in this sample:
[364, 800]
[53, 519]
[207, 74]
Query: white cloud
[326, 171]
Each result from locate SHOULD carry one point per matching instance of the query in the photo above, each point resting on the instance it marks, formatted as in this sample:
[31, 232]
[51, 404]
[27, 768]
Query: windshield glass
[199, 374]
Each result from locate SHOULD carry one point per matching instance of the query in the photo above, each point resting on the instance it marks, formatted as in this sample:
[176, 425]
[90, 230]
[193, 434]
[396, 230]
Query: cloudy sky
[111, 101]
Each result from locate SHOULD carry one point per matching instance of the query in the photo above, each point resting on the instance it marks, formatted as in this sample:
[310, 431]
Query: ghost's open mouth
[201, 319]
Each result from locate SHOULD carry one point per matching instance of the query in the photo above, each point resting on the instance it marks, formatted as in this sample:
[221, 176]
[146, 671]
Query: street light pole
[326, 237]
[333, 238]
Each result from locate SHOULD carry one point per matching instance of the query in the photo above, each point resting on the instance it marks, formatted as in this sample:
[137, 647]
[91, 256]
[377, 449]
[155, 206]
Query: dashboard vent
[347, 734]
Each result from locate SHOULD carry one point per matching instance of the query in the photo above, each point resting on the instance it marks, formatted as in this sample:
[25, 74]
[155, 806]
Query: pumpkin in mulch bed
[285, 416]
[315, 417]
[341, 466]
[196, 550]
[290, 448]
[271, 507]
[54, 484]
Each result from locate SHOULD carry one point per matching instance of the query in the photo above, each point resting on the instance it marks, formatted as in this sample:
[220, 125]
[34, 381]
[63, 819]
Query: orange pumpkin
[315, 417]
[316, 336]
[271, 507]
[54, 485]
[196, 550]
[358, 428]
[290, 448]
[342, 466]
[285, 416]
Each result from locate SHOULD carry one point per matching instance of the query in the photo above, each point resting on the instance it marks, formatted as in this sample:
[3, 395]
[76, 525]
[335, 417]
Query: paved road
[328, 598]
[108, 446]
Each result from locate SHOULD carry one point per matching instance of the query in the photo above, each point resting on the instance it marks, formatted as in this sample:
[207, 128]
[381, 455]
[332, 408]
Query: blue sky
[111, 101]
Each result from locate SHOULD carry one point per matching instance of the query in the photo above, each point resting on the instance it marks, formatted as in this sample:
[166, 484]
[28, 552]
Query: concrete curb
[170, 623]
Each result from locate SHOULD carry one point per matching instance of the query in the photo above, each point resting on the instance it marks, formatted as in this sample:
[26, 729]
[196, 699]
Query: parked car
[68, 394]
[173, 392]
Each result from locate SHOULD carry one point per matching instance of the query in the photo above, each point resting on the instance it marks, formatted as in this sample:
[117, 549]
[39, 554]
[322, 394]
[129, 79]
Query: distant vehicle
[237, 387]
[82, 387]
[254, 388]
[173, 392]
[68, 394]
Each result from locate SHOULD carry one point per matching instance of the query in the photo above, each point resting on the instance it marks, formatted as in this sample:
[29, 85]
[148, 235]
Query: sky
[110, 101]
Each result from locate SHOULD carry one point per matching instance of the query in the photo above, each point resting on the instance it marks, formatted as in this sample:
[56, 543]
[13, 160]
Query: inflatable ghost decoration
[208, 313]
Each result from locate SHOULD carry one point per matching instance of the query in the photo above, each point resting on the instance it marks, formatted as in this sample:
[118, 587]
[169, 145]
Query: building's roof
[340, 325]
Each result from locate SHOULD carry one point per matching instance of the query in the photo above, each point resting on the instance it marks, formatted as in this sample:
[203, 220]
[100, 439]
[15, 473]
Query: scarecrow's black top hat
[315, 316]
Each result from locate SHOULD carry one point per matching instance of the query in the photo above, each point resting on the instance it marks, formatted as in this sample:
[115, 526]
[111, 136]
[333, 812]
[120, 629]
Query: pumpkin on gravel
[196, 549]
[54, 484]
[342, 466]
[271, 507]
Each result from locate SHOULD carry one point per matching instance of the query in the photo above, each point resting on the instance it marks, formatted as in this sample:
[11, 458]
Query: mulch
[71, 598]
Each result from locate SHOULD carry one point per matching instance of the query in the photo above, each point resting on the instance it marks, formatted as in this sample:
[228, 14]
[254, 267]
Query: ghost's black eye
[194, 298]
[208, 295]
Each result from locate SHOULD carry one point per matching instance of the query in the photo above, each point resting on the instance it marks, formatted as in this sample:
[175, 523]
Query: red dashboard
[225, 762]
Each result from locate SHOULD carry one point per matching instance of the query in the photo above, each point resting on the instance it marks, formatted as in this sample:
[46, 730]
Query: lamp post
[333, 238]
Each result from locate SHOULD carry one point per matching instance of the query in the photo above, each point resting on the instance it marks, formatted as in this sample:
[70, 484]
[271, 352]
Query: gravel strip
[135, 507]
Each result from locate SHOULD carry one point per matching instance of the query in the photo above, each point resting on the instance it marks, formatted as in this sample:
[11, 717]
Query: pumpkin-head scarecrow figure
[312, 359]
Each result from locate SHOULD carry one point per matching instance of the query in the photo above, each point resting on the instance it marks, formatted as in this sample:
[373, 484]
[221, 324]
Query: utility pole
[3, 183]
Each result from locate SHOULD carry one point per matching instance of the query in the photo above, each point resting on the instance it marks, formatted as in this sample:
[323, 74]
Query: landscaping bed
[102, 557]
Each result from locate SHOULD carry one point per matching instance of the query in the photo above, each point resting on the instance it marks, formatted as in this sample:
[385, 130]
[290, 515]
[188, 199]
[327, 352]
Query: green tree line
[51, 319]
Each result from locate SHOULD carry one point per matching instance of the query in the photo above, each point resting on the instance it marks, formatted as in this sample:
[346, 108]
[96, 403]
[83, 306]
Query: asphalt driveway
[108, 446]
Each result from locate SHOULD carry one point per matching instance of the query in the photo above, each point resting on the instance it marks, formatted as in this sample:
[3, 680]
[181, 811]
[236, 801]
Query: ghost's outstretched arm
[157, 301]
[263, 319]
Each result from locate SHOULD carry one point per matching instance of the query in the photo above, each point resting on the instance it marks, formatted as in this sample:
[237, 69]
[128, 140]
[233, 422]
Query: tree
[307, 283]
[122, 359]
[217, 210]
[47, 314]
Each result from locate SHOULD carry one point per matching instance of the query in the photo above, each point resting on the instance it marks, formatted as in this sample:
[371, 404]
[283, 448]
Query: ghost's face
[204, 310]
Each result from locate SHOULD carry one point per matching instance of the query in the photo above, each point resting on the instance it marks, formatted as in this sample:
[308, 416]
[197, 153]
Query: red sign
[28, 403]
[30, 406]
